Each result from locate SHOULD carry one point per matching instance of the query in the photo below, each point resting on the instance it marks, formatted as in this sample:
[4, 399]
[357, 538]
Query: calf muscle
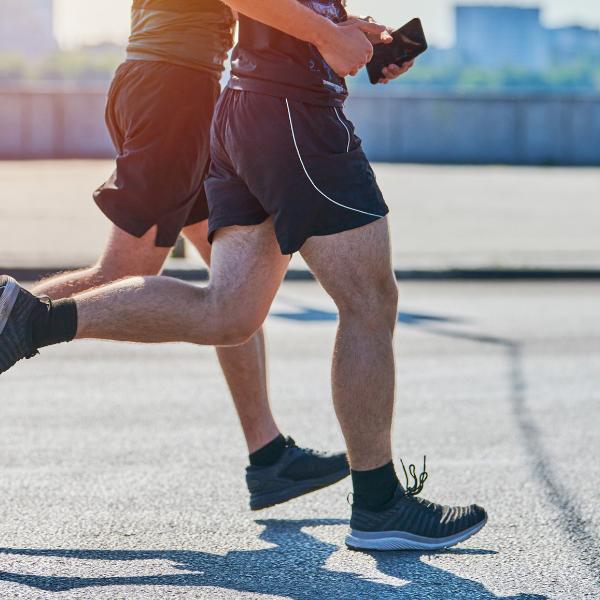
[354, 267]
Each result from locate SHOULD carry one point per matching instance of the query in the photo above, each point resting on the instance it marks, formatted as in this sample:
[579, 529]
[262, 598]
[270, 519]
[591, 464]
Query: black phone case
[409, 42]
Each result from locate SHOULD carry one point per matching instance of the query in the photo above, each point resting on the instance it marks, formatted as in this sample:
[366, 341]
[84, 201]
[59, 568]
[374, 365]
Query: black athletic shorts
[300, 164]
[159, 116]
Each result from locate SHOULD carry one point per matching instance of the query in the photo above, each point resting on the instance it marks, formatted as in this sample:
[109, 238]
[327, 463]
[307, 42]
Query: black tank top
[268, 61]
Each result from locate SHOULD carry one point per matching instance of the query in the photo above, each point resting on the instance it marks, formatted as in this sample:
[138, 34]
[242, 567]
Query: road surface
[121, 467]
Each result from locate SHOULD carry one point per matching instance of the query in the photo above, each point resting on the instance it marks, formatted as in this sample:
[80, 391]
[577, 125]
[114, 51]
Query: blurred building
[504, 36]
[568, 44]
[501, 36]
[27, 27]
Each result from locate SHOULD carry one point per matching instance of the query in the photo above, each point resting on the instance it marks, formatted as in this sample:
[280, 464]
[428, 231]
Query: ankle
[374, 488]
[270, 453]
[54, 323]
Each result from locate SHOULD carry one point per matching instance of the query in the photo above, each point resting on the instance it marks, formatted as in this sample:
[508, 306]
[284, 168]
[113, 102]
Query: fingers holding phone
[351, 45]
[392, 60]
[348, 48]
[394, 71]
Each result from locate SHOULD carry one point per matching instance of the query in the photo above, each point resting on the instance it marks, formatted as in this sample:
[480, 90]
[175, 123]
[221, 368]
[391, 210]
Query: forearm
[288, 16]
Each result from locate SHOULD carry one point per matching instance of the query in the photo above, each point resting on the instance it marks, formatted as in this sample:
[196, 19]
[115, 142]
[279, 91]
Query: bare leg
[244, 368]
[247, 269]
[124, 255]
[355, 269]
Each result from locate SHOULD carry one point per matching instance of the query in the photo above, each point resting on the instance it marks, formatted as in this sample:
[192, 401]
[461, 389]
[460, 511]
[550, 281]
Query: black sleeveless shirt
[268, 61]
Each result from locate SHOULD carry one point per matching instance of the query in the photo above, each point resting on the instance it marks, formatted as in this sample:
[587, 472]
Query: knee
[375, 304]
[237, 328]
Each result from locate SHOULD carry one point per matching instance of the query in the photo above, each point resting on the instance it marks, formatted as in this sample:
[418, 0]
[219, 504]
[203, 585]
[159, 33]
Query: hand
[380, 37]
[394, 71]
[347, 48]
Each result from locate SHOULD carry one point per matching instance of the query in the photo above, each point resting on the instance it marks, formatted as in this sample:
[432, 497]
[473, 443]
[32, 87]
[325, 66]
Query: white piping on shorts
[310, 179]
[7, 301]
[345, 127]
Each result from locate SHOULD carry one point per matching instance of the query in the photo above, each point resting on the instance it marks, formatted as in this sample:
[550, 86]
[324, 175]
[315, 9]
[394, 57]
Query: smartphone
[409, 42]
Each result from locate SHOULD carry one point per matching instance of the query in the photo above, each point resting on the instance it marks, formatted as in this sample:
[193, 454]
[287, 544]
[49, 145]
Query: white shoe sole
[8, 299]
[401, 540]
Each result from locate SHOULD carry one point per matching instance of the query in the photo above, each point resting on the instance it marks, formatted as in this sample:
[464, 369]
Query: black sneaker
[298, 472]
[16, 308]
[412, 523]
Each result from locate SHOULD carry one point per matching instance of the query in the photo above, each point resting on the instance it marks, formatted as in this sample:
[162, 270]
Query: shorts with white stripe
[300, 164]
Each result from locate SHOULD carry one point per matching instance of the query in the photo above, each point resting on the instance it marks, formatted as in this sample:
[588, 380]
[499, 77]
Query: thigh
[197, 235]
[354, 265]
[247, 269]
[125, 255]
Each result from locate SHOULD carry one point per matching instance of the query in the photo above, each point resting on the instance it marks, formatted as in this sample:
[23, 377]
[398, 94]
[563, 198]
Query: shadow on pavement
[294, 568]
[297, 312]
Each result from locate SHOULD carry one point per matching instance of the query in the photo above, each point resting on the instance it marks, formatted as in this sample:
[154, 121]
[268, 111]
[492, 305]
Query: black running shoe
[412, 523]
[298, 472]
[16, 308]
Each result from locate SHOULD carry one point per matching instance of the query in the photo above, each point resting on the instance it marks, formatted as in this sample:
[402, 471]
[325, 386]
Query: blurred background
[511, 84]
[501, 86]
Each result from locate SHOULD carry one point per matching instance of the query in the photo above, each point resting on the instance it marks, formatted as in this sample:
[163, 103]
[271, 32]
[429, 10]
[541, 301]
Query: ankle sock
[375, 488]
[55, 322]
[269, 454]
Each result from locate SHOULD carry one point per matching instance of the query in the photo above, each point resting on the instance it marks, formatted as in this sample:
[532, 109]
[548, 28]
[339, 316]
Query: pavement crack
[572, 522]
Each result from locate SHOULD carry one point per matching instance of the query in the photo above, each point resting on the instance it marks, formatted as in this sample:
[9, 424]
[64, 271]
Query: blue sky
[89, 21]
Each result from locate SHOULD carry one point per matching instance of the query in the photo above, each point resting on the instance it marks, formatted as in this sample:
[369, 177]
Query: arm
[345, 47]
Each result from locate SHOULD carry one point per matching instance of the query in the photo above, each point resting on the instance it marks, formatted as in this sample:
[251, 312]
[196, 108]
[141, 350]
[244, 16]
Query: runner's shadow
[295, 567]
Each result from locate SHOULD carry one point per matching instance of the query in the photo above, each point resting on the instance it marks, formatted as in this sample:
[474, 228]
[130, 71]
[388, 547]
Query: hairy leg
[355, 269]
[244, 368]
[124, 255]
[247, 269]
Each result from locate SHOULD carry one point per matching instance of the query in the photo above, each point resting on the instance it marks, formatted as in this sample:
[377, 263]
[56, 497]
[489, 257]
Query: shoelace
[290, 443]
[416, 488]
[419, 482]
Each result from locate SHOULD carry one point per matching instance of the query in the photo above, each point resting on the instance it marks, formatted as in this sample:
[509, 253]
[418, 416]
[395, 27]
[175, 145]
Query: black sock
[374, 489]
[268, 455]
[55, 322]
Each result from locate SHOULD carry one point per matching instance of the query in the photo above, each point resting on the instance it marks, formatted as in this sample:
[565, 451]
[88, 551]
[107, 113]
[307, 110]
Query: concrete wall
[533, 130]
[49, 123]
[428, 128]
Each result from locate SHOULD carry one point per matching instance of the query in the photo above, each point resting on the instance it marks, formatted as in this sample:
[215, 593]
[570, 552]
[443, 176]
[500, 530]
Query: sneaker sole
[400, 540]
[296, 490]
[7, 301]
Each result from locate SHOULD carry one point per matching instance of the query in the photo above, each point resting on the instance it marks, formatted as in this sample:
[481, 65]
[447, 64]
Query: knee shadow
[295, 567]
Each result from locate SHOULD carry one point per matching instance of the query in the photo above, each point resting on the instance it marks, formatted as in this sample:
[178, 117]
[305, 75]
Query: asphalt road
[121, 467]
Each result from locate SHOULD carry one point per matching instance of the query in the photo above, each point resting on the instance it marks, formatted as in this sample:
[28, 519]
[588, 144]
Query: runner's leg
[244, 368]
[355, 269]
[124, 256]
[247, 269]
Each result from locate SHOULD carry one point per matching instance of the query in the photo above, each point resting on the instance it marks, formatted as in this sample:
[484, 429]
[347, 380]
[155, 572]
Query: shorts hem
[243, 221]
[291, 248]
[166, 237]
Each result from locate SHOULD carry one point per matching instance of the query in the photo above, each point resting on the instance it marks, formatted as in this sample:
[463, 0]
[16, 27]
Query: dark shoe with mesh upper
[298, 472]
[412, 523]
[17, 306]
